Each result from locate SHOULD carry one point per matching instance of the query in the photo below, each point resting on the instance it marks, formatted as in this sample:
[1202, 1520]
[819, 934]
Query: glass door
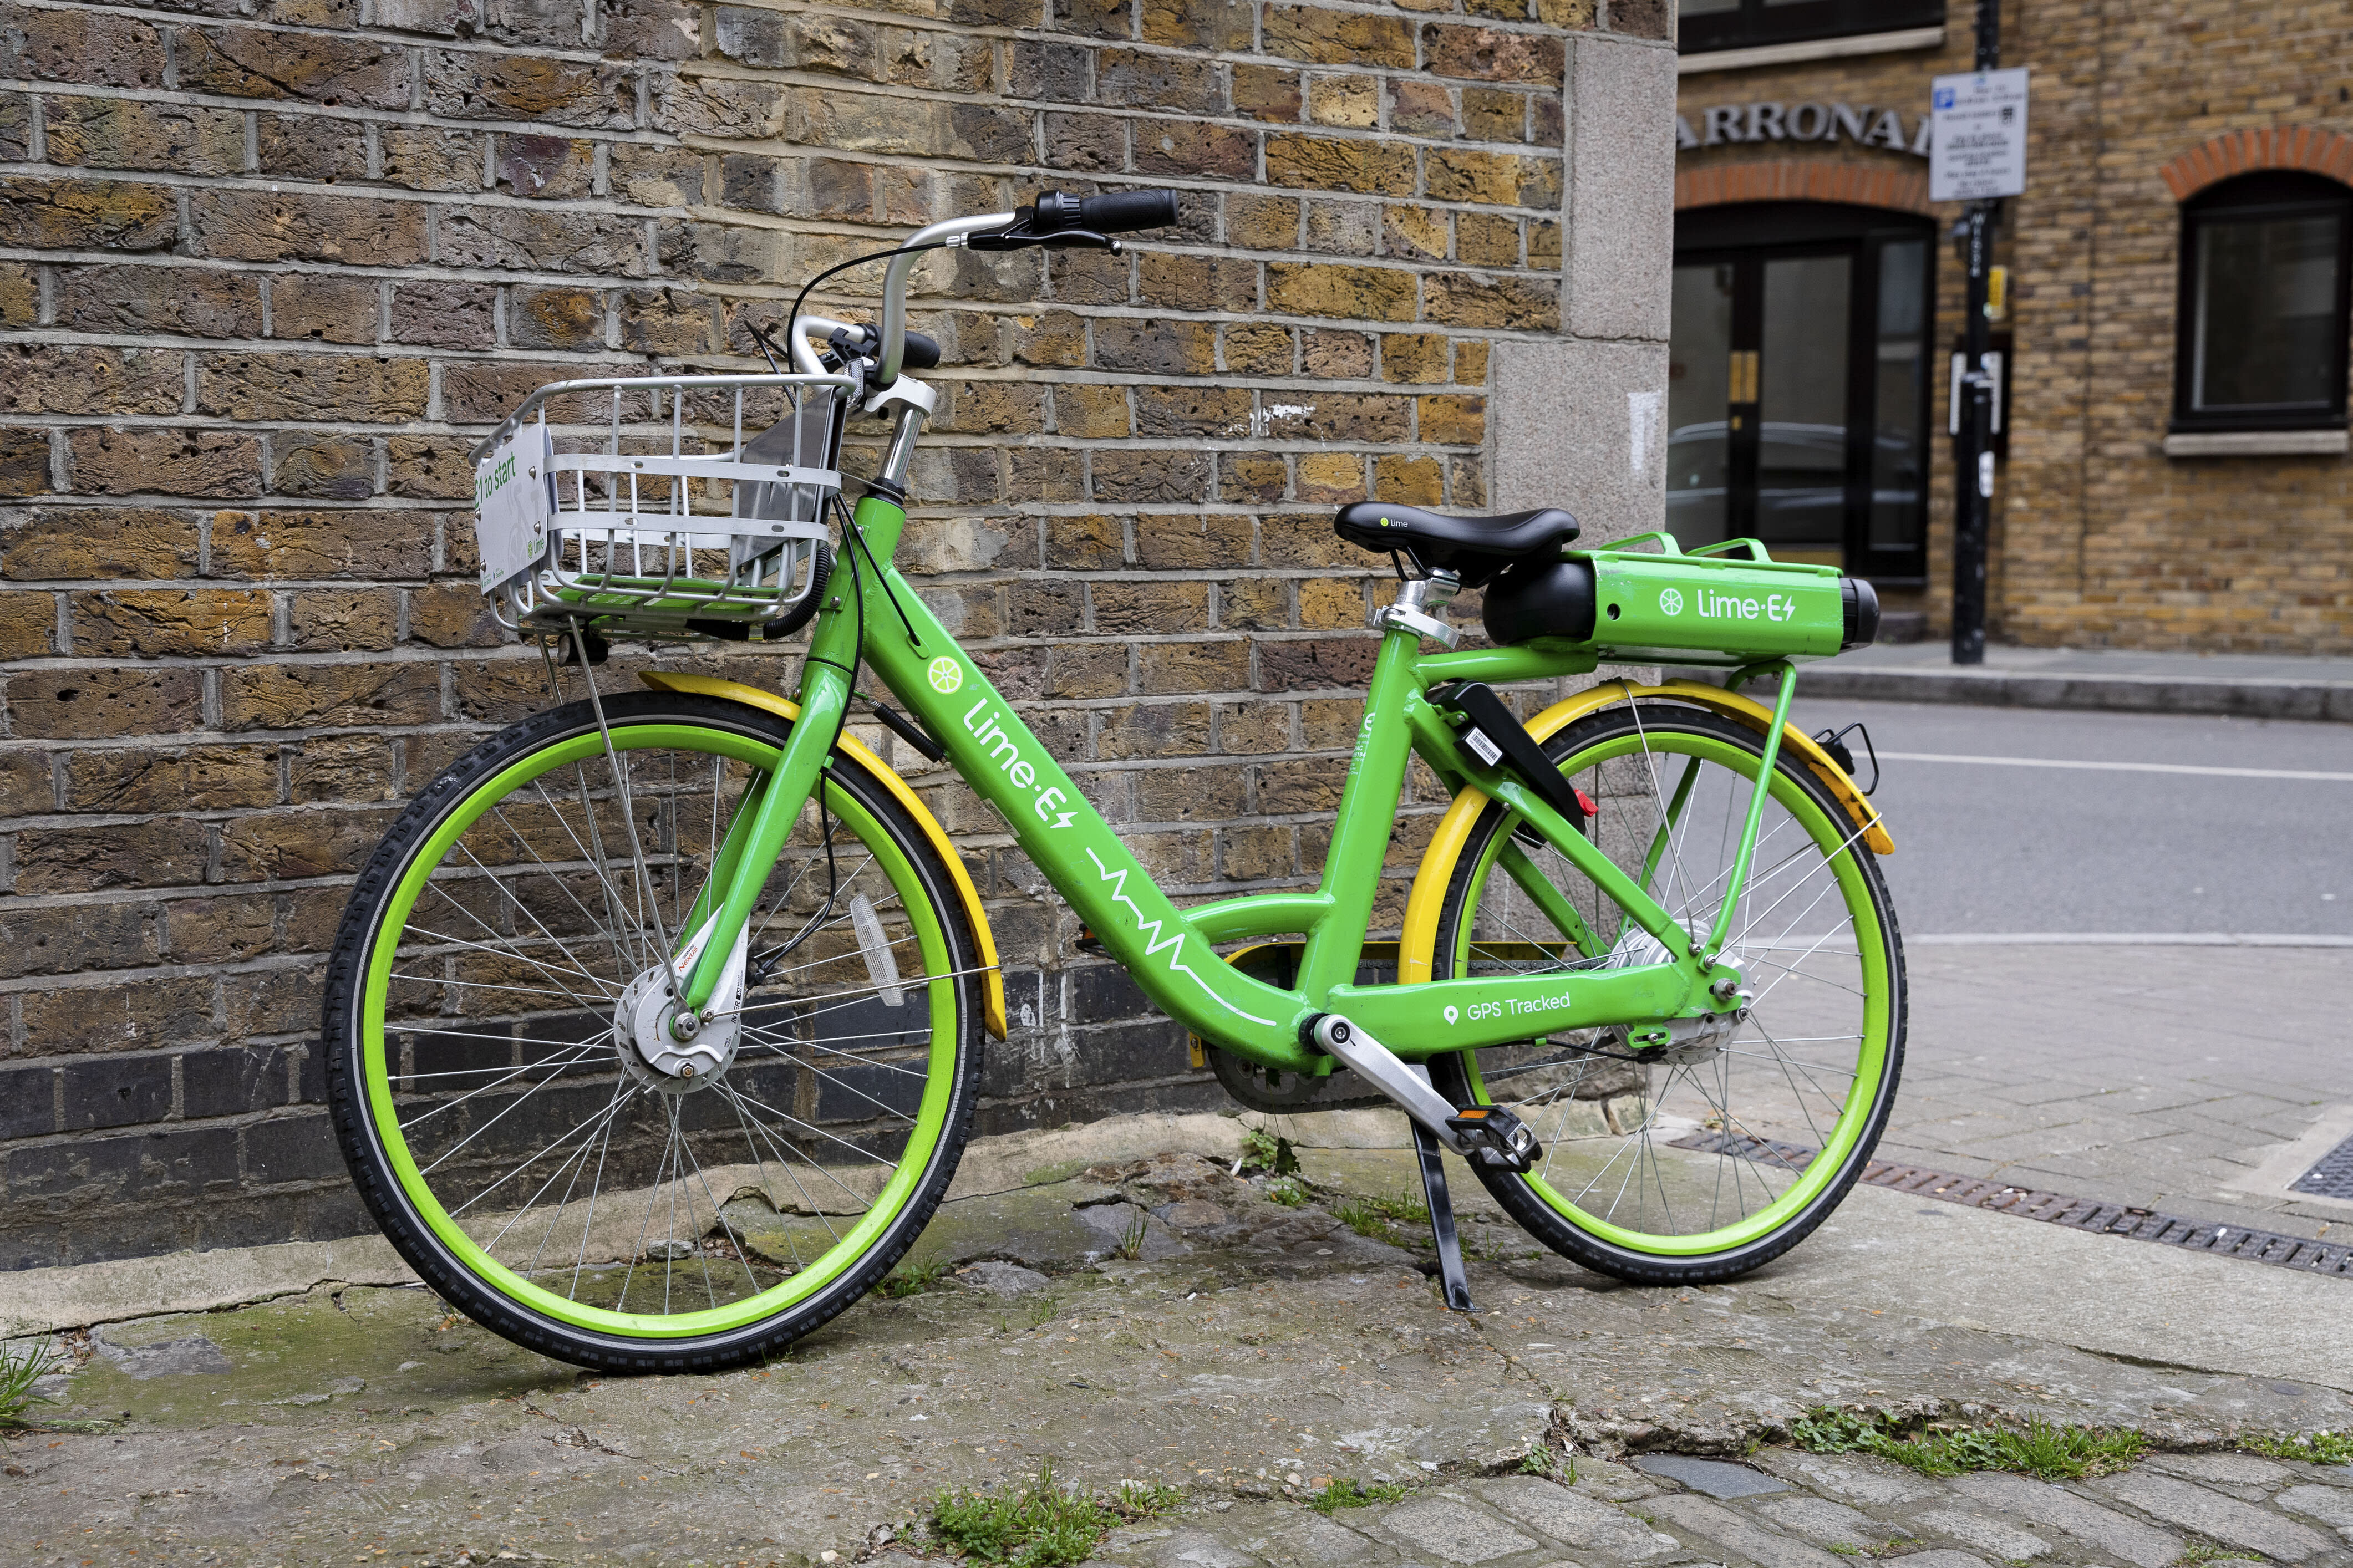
[1798, 391]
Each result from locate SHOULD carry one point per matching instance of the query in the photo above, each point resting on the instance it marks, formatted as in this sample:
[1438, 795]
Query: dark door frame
[1747, 234]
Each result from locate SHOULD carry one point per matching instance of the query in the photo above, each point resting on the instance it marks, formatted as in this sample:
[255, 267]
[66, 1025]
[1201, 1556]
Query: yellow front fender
[1420, 940]
[993, 1008]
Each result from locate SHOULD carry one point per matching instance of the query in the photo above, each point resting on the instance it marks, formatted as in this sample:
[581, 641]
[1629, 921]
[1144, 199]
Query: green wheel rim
[930, 1117]
[1834, 838]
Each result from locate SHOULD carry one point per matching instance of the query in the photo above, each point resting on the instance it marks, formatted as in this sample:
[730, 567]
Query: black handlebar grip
[1122, 211]
[922, 352]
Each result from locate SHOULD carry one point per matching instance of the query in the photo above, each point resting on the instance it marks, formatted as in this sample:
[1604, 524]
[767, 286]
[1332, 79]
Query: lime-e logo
[1005, 753]
[1671, 602]
[946, 675]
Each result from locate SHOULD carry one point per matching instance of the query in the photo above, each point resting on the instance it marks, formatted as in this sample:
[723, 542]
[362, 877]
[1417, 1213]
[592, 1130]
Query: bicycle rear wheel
[552, 1163]
[1705, 1157]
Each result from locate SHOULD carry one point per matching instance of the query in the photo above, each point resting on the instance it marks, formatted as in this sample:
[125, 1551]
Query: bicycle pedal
[1496, 1137]
[1088, 942]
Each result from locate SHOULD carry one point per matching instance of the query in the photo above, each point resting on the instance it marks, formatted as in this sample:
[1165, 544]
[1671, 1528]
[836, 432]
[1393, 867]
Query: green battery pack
[1730, 604]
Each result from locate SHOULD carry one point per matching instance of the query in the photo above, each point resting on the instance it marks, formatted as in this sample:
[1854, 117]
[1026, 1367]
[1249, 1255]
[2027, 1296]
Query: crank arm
[1378, 1065]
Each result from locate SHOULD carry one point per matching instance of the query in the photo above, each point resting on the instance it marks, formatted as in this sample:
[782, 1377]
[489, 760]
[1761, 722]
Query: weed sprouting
[2044, 1449]
[1131, 1240]
[1264, 1151]
[2201, 1552]
[19, 1370]
[1042, 1525]
[911, 1280]
[1345, 1493]
[1537, 1462]
[1841, 1549]
[1375, 1217]
[2316, 1448]
[1042, 1310]
[1287, 1192]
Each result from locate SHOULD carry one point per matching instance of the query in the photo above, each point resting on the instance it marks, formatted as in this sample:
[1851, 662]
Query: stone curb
[2243, 699]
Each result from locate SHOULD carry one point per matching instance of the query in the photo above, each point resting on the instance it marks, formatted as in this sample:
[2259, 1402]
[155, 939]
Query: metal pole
[1973, 449]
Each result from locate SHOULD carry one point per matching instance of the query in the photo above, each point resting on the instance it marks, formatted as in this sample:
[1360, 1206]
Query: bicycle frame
[1171, 952]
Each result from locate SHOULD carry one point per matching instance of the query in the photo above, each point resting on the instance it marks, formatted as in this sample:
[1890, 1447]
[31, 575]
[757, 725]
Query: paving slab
[2332, 1506]
[2100, 1529]
[1710, 1478]
[1989, 1535]
[1276, 1351]
[2210, 1513]
[1578, 1522]
[1822, 1521]
[1738, 1533]
[2245, 685]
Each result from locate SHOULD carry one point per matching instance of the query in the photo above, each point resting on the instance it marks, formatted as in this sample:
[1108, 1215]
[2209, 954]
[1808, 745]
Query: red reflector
[1585, 802]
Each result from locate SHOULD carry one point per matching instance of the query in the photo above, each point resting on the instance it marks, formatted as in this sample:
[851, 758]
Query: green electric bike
[654, 1030]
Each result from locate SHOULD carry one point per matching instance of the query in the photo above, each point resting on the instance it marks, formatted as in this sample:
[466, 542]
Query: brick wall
[269, 266]
[2100, 538]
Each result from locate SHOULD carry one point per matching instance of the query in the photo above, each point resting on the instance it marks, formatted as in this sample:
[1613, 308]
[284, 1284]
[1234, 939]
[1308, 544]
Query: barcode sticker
[1486, 750]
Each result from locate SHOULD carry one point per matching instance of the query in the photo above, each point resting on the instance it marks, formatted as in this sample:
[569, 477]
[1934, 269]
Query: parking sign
[1980, 150]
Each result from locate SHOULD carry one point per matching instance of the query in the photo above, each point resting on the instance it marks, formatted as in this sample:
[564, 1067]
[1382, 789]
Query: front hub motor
[667, 1049]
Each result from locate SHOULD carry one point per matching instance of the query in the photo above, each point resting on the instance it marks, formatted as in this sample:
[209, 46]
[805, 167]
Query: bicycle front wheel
[1701, 1156]
[539, 1151]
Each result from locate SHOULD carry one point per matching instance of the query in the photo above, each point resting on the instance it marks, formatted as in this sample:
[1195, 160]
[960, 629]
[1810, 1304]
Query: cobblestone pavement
[1253, 1342]
[2172, 1078]
[1790, 1509]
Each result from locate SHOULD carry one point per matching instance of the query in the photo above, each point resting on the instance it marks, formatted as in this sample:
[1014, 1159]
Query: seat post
[1419, 603]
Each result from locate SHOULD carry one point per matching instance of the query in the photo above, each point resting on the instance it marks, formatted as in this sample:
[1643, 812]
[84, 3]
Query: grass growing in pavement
[2319, 1448]
[1372, 1217]
[1044, 1525]
[20, 1370]
[913, 1279]
[1287, 1192]
[1345, 1493]
[2052, 1453]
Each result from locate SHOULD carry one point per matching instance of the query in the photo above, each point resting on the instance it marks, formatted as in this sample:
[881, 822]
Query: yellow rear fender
[993, 1008]
[1418, 945]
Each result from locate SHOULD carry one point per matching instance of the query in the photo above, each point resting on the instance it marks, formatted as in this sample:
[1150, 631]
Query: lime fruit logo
[946, 674]
[1451, 1015]
[1671, 602]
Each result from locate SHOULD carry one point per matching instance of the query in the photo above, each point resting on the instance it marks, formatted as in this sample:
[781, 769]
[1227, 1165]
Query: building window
[1708, 25]
[2263, 294]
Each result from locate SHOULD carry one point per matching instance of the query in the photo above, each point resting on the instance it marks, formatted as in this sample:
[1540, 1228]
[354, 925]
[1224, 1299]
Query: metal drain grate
[2125, 1220]
[2332, 1178]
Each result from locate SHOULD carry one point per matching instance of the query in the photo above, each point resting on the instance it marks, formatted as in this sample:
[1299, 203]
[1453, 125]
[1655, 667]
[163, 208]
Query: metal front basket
[651, 514]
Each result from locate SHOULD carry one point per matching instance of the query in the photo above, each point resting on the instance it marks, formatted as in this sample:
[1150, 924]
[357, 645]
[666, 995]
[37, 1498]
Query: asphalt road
[2162, 824]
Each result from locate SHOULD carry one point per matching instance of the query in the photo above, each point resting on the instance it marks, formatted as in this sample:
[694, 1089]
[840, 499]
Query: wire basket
[638, 507]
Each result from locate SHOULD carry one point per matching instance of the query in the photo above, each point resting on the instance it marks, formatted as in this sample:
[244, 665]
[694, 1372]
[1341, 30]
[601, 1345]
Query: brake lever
[1021, 237]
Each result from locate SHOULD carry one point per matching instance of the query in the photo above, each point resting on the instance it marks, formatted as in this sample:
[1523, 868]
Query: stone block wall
[268, 268]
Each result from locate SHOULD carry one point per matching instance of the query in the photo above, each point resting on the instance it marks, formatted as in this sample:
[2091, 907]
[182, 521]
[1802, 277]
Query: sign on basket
[1980, 136]
[514, 500]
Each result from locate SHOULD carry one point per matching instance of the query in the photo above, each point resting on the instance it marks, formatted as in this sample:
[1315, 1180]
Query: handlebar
[1056, 219]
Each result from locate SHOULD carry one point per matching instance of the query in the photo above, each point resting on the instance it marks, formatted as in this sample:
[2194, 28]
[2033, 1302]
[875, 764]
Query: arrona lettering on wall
[1865, 126]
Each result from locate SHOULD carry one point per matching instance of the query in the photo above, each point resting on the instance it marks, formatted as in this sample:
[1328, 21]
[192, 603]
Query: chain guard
[1247, 1082]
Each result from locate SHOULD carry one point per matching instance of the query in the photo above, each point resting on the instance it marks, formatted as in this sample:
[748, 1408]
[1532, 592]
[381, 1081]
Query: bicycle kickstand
[1441, 1217]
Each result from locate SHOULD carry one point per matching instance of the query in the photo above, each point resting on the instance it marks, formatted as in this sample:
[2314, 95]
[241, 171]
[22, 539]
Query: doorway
[1798, 390]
